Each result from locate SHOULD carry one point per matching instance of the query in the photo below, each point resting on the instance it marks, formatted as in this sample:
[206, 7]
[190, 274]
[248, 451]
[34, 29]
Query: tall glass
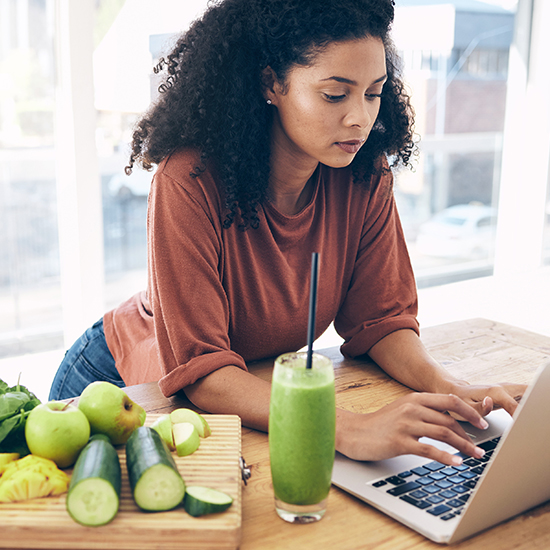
[302, 424]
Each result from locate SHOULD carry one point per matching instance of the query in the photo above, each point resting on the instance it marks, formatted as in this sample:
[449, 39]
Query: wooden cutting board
[45, 523]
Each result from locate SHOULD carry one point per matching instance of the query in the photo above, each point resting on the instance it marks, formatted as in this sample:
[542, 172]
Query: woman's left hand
[403, 356]
[485, 398]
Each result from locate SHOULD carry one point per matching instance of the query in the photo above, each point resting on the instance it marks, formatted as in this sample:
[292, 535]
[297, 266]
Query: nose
[361, 113]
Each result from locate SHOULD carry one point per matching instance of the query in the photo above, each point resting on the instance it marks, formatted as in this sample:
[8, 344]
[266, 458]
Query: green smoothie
[302, 421]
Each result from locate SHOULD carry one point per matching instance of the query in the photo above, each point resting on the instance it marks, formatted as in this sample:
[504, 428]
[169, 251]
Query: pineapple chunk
[32, 477]
[5, 459]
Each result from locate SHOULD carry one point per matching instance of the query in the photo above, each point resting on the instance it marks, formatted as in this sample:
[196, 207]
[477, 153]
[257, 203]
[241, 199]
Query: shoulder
[182, 165]
[184, 173]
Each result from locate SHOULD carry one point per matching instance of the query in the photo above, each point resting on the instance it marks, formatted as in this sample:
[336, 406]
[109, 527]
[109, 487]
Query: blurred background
[75, 76]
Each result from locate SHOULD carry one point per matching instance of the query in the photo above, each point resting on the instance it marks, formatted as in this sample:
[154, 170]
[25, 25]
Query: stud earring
[268, 101]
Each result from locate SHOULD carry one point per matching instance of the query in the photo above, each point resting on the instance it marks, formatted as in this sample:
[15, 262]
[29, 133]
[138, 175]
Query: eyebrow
[352, 82]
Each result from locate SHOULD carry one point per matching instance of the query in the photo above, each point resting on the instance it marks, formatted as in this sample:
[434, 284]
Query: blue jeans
[88, 360]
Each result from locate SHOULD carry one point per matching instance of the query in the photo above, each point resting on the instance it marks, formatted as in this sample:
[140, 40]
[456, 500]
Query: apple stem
[67, 404]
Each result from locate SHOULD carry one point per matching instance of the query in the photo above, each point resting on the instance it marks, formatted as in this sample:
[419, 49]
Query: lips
[352, 146]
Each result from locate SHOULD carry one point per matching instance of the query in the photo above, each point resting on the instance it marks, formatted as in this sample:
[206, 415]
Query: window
[30, 292]
[455, 64]
[483, 63]
[130, 39]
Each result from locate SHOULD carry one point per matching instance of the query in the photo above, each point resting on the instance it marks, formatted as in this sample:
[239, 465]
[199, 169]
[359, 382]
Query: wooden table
[476, 350]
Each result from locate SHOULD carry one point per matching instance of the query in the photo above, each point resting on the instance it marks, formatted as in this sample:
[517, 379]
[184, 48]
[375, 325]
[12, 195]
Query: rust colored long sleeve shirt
[219, 297]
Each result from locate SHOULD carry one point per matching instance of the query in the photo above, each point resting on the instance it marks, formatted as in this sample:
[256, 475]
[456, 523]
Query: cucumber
[154, 477]
[94, 489]
[199, 501]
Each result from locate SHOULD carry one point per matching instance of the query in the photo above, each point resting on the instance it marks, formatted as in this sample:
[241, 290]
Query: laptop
[448, 504]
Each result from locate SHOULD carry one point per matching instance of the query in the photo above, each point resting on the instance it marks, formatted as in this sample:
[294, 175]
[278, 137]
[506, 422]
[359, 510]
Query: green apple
[163, 425]
[187, 415]
[175, 430]
[58, 431]
[186, 438]
[110, 411]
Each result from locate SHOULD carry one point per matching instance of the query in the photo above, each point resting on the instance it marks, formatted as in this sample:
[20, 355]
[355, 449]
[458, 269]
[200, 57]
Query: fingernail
[483, 424]
[479, 452]
[456, 460]
[485, 401]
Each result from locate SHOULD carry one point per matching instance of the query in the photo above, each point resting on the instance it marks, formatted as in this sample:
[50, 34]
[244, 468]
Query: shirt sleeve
[382, 295]
[189, 304]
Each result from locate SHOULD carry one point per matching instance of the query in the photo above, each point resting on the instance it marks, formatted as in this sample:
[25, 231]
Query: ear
[269, 84]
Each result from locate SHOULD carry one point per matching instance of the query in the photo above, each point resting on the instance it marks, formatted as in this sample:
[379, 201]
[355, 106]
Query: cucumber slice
[154, 477]
[94, 489]
[199, 501]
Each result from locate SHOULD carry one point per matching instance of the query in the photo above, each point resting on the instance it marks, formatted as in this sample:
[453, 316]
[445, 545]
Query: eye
[334, 98]
[372, 97]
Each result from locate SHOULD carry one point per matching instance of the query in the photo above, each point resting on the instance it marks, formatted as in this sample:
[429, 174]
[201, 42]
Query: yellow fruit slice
[5, 459]
[30, 463]
[59, 484]
[32, 477]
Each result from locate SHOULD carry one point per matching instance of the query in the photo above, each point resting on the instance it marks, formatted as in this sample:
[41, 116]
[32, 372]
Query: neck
[290, 186]
[290, 200]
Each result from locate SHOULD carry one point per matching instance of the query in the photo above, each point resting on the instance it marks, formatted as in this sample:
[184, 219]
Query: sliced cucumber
[154, 477]
[199, 501]
[94, 489]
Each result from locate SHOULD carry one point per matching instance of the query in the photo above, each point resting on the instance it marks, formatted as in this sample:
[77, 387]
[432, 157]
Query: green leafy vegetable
[16, 403]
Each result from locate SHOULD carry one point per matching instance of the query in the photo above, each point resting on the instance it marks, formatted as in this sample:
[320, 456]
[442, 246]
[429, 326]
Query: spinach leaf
[12, 401]
[15, 404]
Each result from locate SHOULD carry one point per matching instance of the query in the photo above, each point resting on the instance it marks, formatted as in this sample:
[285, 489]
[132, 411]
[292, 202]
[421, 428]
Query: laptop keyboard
[439, 489]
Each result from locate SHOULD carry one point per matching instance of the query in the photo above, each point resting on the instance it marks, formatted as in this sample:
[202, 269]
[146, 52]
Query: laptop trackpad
[498, 421]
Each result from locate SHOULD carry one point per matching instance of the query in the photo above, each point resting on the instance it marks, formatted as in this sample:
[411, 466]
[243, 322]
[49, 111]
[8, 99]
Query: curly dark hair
[211, 98]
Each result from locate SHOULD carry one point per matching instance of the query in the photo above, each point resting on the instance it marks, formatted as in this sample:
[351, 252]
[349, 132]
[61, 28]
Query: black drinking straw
[312, 307]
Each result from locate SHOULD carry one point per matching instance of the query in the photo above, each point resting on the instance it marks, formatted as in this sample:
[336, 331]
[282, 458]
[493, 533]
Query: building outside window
[458, 88]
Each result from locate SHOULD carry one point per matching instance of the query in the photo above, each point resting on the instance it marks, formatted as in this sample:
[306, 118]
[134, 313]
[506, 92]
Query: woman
[271, 137]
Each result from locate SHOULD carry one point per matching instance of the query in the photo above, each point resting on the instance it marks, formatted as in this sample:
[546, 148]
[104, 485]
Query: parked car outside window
[462, 231]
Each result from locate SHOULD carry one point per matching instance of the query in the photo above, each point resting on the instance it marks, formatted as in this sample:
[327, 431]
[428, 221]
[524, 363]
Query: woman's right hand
[396, 429]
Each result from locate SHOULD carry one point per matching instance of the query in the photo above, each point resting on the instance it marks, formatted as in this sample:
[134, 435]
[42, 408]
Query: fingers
[433, 453]
[460, 442]
[482, 407]
[455, 405]
[487, 406]
[398, 428]
[434, 419]
[442, 427]
[508, 396]
[486, 398]
[478, 402]
[423, 415]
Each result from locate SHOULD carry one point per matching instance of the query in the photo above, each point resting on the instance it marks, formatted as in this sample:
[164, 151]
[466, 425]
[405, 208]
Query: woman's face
[326, 111]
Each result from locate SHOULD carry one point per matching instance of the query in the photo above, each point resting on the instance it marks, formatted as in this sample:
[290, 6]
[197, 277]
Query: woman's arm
[393, 430]
[403, 356]
[231, 390]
